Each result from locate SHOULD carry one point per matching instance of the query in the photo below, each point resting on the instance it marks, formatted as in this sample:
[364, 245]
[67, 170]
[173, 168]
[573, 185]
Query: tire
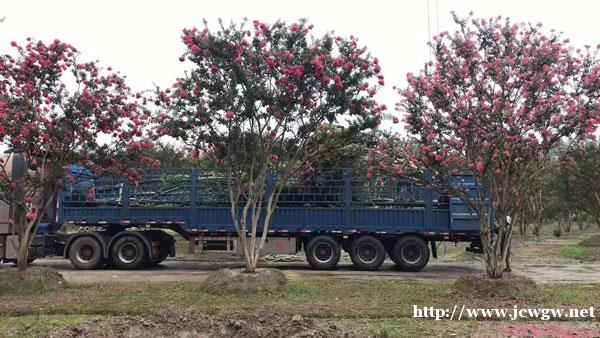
[85, 253]
[323, 252]
[367, 253]
[159, 259]
[166, 244]
[128, 253]
[410, 253]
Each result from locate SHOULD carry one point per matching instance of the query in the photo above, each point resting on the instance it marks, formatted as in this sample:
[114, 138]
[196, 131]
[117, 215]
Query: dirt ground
[538, 260]
[188, 270]
[190, 323]
[444, 269]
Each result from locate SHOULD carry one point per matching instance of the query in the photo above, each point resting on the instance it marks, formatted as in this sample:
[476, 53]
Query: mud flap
[433, 249]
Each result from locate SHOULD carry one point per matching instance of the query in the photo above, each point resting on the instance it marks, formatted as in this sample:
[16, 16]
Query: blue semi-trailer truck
[110, 220]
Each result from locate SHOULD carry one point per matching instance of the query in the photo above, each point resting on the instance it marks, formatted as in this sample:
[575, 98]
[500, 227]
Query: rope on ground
[284, 258]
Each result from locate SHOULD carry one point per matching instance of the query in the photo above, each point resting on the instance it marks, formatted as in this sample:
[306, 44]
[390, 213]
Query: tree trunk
[492, 264]
[537, 228]
[23, 256]
[496, 246]
[568, 223]
[561, 219]
[24, 238]
[240, 227]
[522, 229]
[266, 223]
[27, 230]
[507, 258]
[21, 225]
[250, 266]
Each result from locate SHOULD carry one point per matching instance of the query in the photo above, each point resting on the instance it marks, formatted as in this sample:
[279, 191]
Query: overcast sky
[142, 38]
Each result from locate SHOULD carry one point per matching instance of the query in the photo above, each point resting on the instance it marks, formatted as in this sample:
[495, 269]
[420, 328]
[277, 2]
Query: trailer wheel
[85, 253]
[166, 246]
[161, 257]
[129, 253]
[323, 252]
[410, 253]
[367, 253]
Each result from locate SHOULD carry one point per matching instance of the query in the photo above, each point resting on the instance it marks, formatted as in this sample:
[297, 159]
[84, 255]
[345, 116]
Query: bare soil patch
[593, 254]
[510, 287]
[238, 280]
[548, 330]
[190, 323]
[34, 280]
[592, 242]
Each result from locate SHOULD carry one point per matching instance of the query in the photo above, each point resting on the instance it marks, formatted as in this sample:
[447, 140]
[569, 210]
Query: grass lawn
[37, 325]
[370, 307]
[531, 249]
[376, 307]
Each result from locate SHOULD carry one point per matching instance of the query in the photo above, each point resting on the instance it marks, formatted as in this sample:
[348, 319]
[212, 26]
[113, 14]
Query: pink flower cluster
[496, 108]
[40, 114]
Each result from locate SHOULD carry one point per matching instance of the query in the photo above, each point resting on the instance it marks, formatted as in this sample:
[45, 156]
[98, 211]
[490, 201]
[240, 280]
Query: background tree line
[565, 195]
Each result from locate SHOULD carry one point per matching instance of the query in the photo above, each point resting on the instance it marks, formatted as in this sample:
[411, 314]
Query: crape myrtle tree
[55, 112]
[540, 202]
[552, 197]
[495, 100]
[254, 97]
[579, 170]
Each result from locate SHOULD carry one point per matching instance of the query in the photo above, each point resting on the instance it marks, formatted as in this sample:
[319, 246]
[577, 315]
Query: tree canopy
[257, 95]
[495, 100]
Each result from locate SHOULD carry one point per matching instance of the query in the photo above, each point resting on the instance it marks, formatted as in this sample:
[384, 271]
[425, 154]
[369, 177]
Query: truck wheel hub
[85, 253]
[323, 252]
[411, 254]
[127, 253]
[367, 253]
